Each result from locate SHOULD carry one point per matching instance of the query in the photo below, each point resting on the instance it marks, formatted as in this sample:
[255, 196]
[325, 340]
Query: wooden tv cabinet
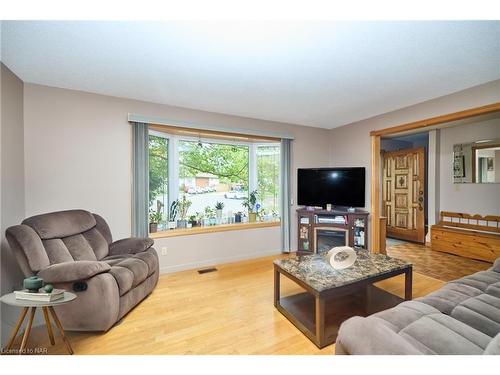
[312, 222]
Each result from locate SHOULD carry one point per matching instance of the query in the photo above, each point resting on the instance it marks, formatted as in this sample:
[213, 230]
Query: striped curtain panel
[140, 179]
[285, 194]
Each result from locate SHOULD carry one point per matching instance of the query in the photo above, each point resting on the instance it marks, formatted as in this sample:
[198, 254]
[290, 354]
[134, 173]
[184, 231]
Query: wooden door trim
[375, 135]
[471, 112]
[375, 194]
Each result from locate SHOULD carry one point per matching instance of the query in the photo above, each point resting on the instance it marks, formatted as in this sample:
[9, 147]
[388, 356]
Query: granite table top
[315, 271]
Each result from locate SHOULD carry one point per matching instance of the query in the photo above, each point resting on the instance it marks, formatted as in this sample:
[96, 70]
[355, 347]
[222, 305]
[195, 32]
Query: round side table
[10, 299]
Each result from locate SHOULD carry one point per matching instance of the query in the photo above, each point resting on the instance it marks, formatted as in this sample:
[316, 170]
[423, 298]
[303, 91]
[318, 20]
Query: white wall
[470, 198]
[12, 186]
[201, 250]
[78, 155]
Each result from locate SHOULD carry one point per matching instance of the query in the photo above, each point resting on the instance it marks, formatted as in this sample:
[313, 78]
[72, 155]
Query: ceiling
[322, 74]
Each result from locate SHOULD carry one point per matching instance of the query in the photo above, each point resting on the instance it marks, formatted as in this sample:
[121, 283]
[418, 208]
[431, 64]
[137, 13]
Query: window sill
[213, 229]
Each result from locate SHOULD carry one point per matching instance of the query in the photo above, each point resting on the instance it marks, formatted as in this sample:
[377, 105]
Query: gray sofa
[463, 317]
[74, 250]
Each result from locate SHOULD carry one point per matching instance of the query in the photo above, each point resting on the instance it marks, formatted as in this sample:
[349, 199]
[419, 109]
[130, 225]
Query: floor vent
[207, 270]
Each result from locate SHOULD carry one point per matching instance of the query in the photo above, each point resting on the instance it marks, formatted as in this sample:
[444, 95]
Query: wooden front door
[403, 201]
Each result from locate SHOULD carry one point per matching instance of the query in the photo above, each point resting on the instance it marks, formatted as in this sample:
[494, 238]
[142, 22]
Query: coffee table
[332, 296]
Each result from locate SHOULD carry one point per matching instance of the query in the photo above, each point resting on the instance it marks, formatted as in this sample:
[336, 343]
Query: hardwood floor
[441, 266]
[226, 312]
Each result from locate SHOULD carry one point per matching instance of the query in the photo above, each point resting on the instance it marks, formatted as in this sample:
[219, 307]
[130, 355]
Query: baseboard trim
[216, 261]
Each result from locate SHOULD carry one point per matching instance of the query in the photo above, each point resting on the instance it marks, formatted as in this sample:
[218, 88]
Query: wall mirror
[477, 162]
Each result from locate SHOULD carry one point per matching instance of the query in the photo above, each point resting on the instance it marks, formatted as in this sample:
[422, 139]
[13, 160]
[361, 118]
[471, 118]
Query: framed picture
[458, 166]
[489, 164]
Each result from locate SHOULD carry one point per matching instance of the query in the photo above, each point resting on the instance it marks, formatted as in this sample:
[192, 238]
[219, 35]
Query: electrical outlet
[164, 250]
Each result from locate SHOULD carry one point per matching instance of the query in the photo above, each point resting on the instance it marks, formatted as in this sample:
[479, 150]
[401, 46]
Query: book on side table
[40, 296]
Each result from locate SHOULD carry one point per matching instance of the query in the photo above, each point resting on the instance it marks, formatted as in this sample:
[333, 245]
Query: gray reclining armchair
[74, 250]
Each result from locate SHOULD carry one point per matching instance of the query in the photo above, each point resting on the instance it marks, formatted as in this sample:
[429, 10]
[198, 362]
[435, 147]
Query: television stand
[319, 230]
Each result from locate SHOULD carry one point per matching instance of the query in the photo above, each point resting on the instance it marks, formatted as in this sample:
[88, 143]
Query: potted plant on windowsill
[154, 218]
[193, 220]
[219, 206]
[263, 215]
[200, 217]
[209, 216]
[184, 205]
[172, 214]
[251, 204]
[275, 216]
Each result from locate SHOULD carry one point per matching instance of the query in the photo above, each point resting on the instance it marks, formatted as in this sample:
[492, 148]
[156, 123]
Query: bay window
[195, 181]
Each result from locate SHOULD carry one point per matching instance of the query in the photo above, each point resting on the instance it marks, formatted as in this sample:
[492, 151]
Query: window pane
[268, 172]
[158, 176]
[211, 173]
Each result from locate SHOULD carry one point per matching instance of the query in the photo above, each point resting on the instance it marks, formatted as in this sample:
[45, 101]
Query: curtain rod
[163, 121]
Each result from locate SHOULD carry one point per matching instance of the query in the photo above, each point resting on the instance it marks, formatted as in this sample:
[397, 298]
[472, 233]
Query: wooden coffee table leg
[276, 287]
[19, 323]
[408, 284]
[48, 324]
[27, 331]
[320, 320]
[61, 330]
[368, 299]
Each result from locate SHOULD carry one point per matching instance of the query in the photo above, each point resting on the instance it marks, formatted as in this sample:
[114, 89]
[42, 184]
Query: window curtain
[140, 177]
[285, 194]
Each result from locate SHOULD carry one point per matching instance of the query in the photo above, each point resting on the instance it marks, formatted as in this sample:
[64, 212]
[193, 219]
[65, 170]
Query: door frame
[375, 135]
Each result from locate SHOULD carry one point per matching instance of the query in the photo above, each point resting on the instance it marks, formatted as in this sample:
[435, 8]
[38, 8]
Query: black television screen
[337, 186]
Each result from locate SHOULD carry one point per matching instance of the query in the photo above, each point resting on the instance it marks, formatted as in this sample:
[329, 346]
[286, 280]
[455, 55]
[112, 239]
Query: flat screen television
[337, 186]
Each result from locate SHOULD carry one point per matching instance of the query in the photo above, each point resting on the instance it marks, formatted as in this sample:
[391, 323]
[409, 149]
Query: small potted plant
[172, 215]
[193, 220]
[263, 215]
[250, 203]
[200, 217]
[154, 218]
[229, 217]
[210, 216]
[184, 205]
[219, 207]
[275, 215]
[206, 216]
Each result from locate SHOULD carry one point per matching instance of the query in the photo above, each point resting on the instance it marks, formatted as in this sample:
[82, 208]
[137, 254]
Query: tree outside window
[211, 173]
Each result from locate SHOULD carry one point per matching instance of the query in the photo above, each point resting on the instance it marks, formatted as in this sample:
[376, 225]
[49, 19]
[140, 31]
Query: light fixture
[484, 141]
